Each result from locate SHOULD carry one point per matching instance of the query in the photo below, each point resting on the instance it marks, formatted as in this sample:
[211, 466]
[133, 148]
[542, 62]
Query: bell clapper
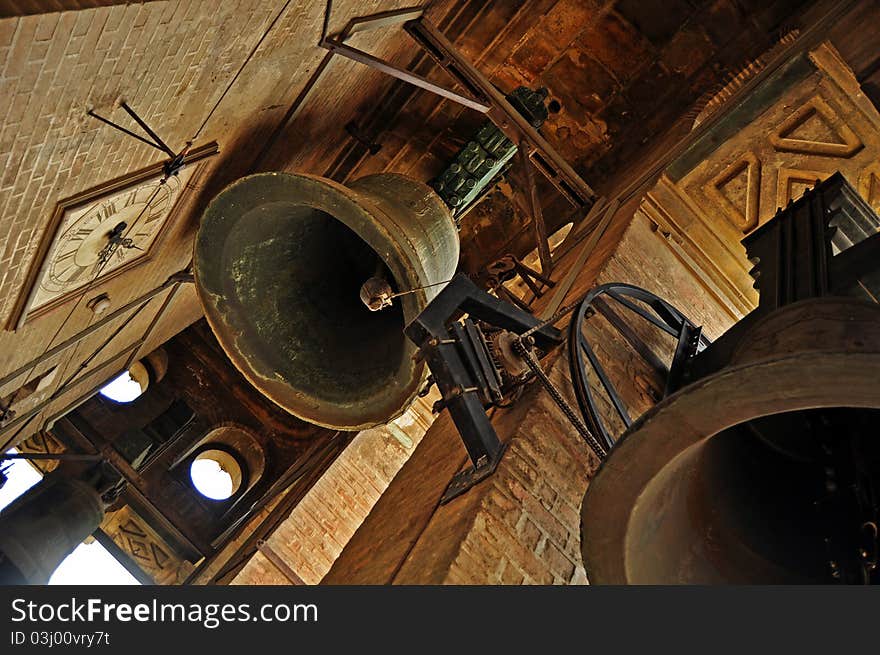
[377, 294]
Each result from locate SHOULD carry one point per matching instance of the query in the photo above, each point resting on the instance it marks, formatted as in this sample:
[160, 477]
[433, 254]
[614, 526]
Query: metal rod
[403, 293]
[379, 20]
[566, 284]
[536, 292]
[277, 514]
[131, 112]
[622, 411]
[137, 486]
[505, 294]
[546, 281]
[126, 131]
[531, 192]
[301, 467]
[122, 557]
[79, 336]
[325, 27]
[514, 125]
[339, 48]
[25, 419]
[64, 386]
[72, 457]
[631, 337]
[644, 314]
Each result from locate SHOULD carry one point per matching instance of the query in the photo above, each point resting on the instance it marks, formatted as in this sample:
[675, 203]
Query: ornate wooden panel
[42, 443]
[805, 121]
[148, 550]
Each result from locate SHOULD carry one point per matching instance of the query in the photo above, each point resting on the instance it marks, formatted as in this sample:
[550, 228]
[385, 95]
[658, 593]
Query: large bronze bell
[760, 471]
[765, 467]
[280, 260]
[44, 525]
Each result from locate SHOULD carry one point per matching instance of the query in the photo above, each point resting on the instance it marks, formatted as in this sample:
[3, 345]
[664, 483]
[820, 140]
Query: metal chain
[523, 351]
[550, 321]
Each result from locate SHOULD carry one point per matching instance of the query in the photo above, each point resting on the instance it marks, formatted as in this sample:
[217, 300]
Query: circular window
[129, 385]
[216, 474]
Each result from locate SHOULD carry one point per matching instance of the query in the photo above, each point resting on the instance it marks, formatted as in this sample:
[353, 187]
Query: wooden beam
[561, 290]
[534, 202]
[137, 486]
[581, 228]
[502, 113]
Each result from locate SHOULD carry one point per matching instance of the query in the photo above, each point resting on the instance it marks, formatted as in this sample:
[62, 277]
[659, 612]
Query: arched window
[216, 474]
[128, 385]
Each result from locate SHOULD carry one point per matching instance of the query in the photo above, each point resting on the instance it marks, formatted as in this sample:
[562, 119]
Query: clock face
[103, 235]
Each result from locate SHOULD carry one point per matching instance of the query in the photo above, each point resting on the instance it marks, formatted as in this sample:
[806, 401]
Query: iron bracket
[437, 334]
[468, 478]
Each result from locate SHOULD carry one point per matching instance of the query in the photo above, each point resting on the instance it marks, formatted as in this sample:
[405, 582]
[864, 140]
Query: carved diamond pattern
[737, 191]
[869, 186]
[138, 544]
[816, 129]
[792, 183]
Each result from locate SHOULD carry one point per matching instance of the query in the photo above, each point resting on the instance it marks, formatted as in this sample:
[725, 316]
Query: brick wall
[318, 528]
[520, 526]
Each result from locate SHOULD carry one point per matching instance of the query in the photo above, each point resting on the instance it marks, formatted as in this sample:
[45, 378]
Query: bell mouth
[647, 515]
[731, 509]
[750, 504]
[280, 261]
[296, 279]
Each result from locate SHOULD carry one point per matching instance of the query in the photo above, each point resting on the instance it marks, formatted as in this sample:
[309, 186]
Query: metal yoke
[457, 367]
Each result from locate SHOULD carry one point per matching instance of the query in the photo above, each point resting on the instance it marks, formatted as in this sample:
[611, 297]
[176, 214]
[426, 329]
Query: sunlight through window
[212, 474]
[91, 564]
[122, 389]
[21, 476]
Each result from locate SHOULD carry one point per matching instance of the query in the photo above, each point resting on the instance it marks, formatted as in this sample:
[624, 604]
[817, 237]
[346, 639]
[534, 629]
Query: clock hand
[127, 244]
[117, 247]
[117, 231]
[115, 239]
[177, 159]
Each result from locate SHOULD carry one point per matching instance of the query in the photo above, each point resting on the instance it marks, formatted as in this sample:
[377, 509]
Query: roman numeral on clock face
[73, 274]
[66, 273]
[154, 215]
[108, 209]
[63, 258]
